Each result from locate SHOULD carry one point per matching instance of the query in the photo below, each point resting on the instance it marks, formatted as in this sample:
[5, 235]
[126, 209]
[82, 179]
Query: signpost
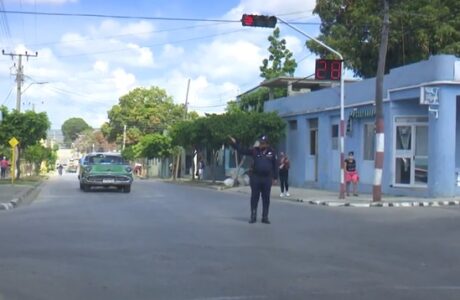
[13, 143]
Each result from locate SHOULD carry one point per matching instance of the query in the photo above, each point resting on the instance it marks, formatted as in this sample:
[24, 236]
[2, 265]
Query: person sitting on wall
[351, 175]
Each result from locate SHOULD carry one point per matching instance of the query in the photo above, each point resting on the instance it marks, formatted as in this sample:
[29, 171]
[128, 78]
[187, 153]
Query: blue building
[422, 131]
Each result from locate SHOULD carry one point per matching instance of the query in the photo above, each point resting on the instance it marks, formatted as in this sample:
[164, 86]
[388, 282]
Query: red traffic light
[259, 21]
[247, 20]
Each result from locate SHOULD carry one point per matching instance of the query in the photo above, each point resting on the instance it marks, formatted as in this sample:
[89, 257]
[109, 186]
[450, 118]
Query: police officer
[263, 172]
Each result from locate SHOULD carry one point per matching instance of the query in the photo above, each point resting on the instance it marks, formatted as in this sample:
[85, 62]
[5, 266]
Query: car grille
[117, 179]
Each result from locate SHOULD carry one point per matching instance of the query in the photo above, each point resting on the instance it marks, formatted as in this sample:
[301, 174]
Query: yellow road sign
[13, 142]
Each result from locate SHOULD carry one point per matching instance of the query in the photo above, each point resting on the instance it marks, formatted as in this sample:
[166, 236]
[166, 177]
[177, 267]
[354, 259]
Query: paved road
[164, 241]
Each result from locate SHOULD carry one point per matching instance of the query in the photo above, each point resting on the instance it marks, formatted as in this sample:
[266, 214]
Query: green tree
[418, 29]
[90, 140]
[36, 154]
[143, 111]
[72, 127]
[28, 128]
[153, 145]
[210, 133]
[280, 62]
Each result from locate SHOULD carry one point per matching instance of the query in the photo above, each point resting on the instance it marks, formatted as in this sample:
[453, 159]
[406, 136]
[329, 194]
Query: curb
[198, 185]
[403, 204]
[22, 197]
[386, 204]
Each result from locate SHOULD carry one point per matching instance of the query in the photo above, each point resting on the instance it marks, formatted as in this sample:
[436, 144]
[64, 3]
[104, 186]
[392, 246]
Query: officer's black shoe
[265, 220]
[253, 218]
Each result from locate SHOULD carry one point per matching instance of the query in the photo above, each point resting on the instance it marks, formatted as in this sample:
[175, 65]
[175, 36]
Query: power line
[130, 17]
[126, 34]
[8, 96]
[41, 13]
[154, 45]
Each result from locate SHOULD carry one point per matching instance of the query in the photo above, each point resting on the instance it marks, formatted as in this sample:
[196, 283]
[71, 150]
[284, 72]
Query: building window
[369, 141]
[335, 137]
[293, 125]
[313, 141]
[313, 124]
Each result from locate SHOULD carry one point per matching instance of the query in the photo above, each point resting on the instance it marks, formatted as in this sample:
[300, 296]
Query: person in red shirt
[351, 175]
[4, 164]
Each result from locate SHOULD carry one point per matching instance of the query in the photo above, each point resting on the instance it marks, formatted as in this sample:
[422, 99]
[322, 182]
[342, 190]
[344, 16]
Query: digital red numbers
[328, 69]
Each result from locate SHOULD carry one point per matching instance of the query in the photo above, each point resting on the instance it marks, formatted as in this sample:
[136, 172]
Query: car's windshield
[104, 159]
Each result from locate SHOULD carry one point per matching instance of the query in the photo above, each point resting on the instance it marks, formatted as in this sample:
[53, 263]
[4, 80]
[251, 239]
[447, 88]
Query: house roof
[299, 83]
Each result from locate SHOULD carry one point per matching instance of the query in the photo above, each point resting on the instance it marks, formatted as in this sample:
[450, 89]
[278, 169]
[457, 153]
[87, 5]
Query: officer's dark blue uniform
[263, 171]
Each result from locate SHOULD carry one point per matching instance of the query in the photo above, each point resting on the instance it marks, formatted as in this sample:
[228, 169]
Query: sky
[85, 64]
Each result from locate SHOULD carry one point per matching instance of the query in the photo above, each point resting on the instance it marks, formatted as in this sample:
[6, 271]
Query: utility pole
[379, 119]
[124, 136]
[19, 81]
[19, 74]
[178, 160]
[186, 99]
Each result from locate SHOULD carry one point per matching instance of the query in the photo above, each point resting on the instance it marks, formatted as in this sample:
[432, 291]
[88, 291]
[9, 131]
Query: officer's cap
[263, 139]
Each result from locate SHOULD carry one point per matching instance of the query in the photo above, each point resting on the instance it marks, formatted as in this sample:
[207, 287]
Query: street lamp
[342, 114]
[32, 83]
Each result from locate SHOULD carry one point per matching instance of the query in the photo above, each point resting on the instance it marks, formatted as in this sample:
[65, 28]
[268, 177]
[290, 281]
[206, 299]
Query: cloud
[142, 30]
[290, 8]
[110, 49]
[101, 66]
[221, 60]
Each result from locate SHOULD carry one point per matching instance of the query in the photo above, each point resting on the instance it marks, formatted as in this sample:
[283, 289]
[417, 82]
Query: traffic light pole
[342, 111]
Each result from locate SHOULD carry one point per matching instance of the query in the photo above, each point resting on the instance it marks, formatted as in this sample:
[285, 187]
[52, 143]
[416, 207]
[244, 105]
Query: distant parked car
[71, 169]
[106, 170]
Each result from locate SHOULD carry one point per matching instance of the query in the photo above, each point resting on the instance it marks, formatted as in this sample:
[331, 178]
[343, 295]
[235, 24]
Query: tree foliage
[72, 127]
[418, 29]
[153, 145]
[143, 111]
[36, 154]
[254, 101]
[212, 131]
[28, 128]
[90, 140]
[280, 61]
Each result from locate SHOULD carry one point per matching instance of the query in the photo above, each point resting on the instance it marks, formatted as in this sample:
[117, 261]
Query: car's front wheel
[86, 187]
[127, 189]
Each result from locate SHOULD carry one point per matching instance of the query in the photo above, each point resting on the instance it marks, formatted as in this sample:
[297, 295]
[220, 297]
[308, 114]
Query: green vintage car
[105, 170]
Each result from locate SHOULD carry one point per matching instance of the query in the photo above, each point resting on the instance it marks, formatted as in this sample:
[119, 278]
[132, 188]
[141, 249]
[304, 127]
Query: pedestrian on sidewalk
[4, 164]
[284, 174]
[201, 166]
[351, 174]
[264, 173]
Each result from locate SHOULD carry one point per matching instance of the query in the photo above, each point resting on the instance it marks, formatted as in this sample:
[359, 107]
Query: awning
[363, 113]
[359, 113]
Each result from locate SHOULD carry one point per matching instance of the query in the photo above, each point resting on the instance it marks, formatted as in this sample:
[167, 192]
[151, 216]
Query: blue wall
[402, 92]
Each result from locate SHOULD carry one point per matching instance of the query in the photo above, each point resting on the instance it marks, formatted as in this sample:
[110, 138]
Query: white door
[411, 155]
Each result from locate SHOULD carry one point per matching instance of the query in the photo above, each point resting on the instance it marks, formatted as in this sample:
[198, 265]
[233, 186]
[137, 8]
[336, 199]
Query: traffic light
[258, 21]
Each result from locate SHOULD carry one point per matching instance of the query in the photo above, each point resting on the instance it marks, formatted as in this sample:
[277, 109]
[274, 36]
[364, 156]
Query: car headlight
[88, 168]
[128, 169]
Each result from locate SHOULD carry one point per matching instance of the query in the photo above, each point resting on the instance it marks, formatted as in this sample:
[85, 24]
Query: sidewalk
[328, 198]
[11, 195]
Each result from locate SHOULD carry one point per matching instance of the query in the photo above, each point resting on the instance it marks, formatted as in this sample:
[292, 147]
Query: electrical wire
[8, 96]
[153, 45]
[126, 35]
[129, 17]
